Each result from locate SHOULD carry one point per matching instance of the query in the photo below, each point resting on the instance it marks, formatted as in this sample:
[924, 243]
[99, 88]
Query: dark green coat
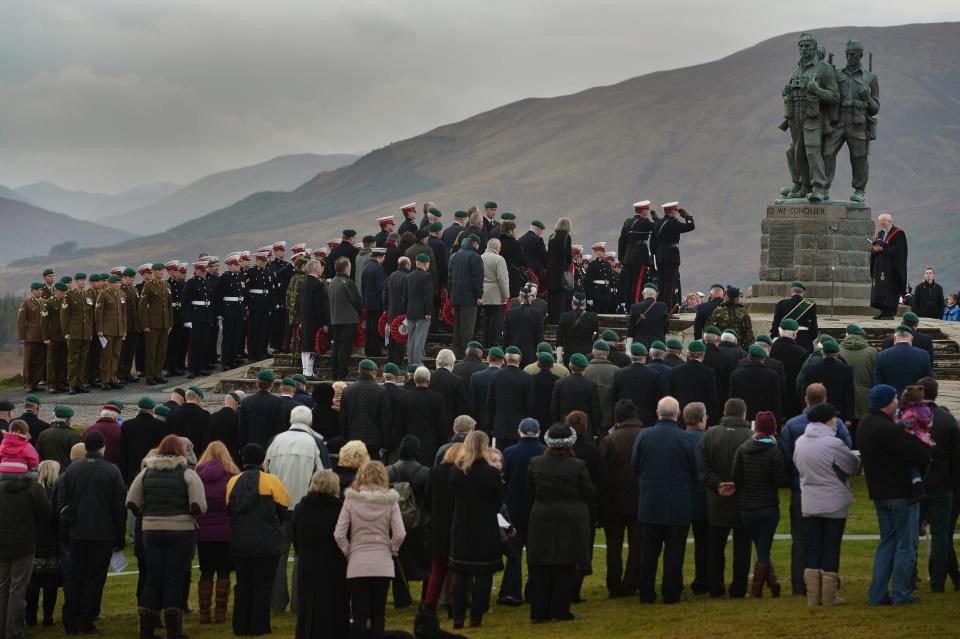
[719, 446]
[23, 508]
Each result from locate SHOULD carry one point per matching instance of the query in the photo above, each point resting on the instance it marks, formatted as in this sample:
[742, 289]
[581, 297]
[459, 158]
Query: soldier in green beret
[804, 311]
[156, 320]
[49, 277]
[52, 334]
[76, 322]
[28, 329]
[131, 302]
[111, 321]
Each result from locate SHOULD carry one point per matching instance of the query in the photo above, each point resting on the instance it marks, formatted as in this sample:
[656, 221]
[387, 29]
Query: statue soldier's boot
[785, 191]
[858, 196]
[817, 195]
[796, 192]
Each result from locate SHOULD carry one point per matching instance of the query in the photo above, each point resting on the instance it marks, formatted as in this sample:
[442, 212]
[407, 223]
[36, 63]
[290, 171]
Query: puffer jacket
[370, 531]
[23, 509]
[214, 525]
[17, 455]
[857, 352]
[758, 471]
[167, 494]
[818, 455]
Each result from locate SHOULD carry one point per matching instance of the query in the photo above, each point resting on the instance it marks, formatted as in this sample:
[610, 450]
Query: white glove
[220, 322]
[188, 324]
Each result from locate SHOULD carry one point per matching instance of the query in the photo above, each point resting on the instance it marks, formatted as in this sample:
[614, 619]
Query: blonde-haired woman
[352, 456]
[322, 599]
[369, 531]
[474, 535]
[47, 571]
[559, 262]
[215, 468]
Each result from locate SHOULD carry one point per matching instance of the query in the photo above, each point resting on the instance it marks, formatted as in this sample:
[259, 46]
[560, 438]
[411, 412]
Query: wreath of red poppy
[360, 338]
[446, 312]
[398, 330]
[382, 324]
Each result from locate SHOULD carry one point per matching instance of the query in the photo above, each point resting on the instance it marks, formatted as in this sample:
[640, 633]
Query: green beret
[35, 286]
[579, 359]
[288, 381]
[713, 330]
[161, 411]
[436, 226]
[756, 350]
[32, 399]
[113, 279]
[156, 266]
[697, 346]
[129, 272]
[93, 277]
[464, 243]
[435, 212]
[47, 271]
[910, 319]
[731, 331]
[368, 365]
[508, 217]
[825, 337]
[475, 344]
[196, 389]
[789, 325]
[391, 369]
[601, 345]
[513, 350]
[546, 359]
[797, 284]
[660, 346]
[853, 329]
[113, 402]
[652, 286]
[300, 378]
[537, 223]
[903, 328]
[490, 205]
[496, 352]
[235, 395]
[423, 258]
[60, 286]
[609, 336]
[65, 279]
[474, 238]
[674, 344]
[146, 403]
[266, 375]
[765, 339]
[412, 368]
[80, 276]
[63, 412]
[638, 349]
[544, 347]
[831, 347]
[179, 391]
[460, 214]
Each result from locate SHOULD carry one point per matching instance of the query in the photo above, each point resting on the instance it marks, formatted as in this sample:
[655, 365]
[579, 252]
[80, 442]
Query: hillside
[94, 206]
[221, 189]
[30, 230]
[705, 135]
[10, 194]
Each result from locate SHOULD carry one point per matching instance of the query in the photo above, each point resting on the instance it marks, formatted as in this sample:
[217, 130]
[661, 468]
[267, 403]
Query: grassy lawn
[935, 616]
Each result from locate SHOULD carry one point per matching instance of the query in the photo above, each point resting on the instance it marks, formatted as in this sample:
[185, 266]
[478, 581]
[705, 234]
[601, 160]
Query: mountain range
[85, 205]
[705, 135]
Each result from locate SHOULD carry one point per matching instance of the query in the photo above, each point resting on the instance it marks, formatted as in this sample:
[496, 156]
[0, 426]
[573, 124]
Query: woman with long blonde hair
[215, 468]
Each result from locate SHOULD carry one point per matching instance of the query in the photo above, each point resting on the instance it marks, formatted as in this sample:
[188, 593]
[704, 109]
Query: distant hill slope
[215, 191]
[705, 135]
[30, 230]
[94, 206]
[10, 194]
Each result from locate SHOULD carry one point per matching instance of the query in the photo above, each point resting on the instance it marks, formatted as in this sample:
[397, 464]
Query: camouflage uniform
[734, 316]
[293, 309]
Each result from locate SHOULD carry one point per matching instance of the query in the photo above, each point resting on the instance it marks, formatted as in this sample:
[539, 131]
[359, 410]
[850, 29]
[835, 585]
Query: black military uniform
[259, 284]
[575, 333]
[647, 321]
[229, 300]
[282, 272]
[665, 244]
[344, 249]
[214, 337]
[634, 251]
[177, 343]
[598, 285]
[198, 313]
[805, 312]
[408, 225]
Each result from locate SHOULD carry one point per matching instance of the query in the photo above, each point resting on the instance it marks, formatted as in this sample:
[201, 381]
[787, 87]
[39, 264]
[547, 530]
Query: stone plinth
[811, 242]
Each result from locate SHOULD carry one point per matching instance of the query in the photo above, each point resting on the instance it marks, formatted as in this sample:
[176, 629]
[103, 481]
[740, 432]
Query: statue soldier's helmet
[807, 37]
[853, 45]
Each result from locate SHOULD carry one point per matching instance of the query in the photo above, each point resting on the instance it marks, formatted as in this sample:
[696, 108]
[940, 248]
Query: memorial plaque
[781, 247]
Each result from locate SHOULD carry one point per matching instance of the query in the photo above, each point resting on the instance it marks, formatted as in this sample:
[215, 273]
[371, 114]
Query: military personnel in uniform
[282, 271]
[859, 103]
[197, 319]
[97, 284]
[665, 246]
[76, 322]
[128, 348]
[146, 275]
[579, 268]
[53, 339]
[156, 322]
[31, 336]
[802, 310]
[259, 285]
[386, 223]
[409, 223]
[213, 276]
[111, 321]
[731, 314]
[48, 280]
[634, 251]
[229, 298]
[177, 341]
[346, 249]
[293, 301]
[809, 96]
[599, 280]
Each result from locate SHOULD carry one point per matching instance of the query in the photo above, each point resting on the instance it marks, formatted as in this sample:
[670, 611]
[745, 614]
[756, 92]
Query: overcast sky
[110, 94]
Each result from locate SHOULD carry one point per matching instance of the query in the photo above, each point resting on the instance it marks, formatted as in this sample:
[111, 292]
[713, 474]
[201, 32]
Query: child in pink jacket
[16, 453]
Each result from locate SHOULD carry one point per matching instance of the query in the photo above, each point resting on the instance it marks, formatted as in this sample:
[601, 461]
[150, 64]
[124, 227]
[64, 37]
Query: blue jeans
[512, 582]
[761, 523]
[822, 539]
[168, 554]
[896, 553]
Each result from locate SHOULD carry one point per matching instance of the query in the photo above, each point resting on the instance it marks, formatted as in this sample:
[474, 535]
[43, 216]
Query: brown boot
[812, 580]
[773, 582]
[759, 578]
[831, 583]
[149, 622]
[223, 596]
[173, 622]
[204, 597]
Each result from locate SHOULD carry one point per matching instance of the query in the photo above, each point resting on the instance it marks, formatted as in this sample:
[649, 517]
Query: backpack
[409, 508]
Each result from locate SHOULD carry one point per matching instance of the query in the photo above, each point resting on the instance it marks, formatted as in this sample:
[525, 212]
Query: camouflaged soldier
[156, 319]
[111, 320]
[76, 322]
[293, 299]
[132, 304]
[53, 339]
[29, 332]
[732, 314]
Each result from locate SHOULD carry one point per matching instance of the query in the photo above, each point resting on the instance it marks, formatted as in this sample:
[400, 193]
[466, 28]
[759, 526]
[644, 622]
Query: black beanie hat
[253, 454]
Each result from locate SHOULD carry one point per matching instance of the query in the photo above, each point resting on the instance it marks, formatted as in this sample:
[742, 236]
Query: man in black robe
[888, 268]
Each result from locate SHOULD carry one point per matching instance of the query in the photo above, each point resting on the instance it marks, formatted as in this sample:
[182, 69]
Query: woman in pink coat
[371, 516]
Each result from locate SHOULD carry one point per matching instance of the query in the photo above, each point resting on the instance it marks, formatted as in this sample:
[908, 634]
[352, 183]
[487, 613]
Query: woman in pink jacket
[369, 532]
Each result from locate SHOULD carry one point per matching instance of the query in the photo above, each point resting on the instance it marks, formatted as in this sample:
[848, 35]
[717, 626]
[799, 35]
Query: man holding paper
[111, 323]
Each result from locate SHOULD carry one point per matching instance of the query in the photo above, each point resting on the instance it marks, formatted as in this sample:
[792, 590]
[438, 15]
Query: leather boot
[204, 596]
[222, 597]
[759, 578]
[149, 621]
[173, 621]
[831, 584]
[811, 579]
[773, 582]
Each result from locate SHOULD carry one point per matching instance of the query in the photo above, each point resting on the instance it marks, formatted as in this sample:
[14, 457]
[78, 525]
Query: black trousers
[373, 343]
[342, 348]
[232, 344]
[278, 329]
[368, 601]
[619, 581]
[672, 541]
[251, 599]
[212, 338]
[86, 576]
[718, 560]
[49, 585]
[492, 324]
[668, 274]
[176, 347]
[701, 557]
[558, 303]
[551, 590]
[259, 327]
[632, 283]
[798, 545]
[479, 585]
[138, 358]
[199, 346]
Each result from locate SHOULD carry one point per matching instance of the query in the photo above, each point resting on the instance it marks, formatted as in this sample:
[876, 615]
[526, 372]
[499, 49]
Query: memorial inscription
[781, 248]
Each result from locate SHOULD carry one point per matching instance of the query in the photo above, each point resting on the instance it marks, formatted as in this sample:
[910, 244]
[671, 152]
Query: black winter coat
[559, 259]
[509, 400]
[224, 428]
[323, 600]
[888, 452]
[314, 312]
[465, 368]
[758, 471]
[543, 383]
[792, 356]
[138, 436]
[759, 387]
[24, 510]
[723, 366]
[575, 333]
[616, 451]
[559, 531]
[421, 413]
[419, 286]
[642, 385]
[190, 421]
[589, 452]
[453, 389]
[365, 413]
[694, 381]
[93, 492]
[523, 328]
[535, 252]
[575, 392]
[944, 471]
[512, 253]
[837, 377]
[474, 533]
[441, 510]
[647, 321]
[259, 418]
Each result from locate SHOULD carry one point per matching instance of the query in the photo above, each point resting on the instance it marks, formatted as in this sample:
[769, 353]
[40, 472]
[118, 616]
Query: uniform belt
[601, 282]
[257, 291]
[804, 328]
[200, 303]
[233, 299]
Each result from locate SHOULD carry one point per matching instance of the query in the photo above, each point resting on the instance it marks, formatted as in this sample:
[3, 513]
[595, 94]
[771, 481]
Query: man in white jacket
[496, 293]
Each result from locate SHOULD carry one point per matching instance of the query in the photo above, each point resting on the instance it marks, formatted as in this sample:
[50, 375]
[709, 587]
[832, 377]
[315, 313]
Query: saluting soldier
[76, 322]
[598, 281]
[665, 245]
[53, 339]
[49, 278]
[156, 322]
[804, 311]
[634, 250]
[31, 336]
[111, 320]
[259, 284]
[129, 347]
[197, 318]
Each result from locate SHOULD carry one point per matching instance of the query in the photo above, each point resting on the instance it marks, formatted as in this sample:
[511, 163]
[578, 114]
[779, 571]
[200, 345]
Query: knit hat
[823, 413]
[266, 375]
[765, 422]
[790, 325]
[830, 347]
[391, 369]
[624, 410]
[881, 395]
[756, 351]
[853, 329]
[637, 349]
[146, 403]
[560, 436]
[94, 440]
[252, 454]
[579, 359]
[301, 415]
[161, 410]
[601, 345]
[529, 427]
[62, 412]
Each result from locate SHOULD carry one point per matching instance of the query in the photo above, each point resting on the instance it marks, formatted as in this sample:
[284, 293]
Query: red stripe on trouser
[639, 287]
[438, 572]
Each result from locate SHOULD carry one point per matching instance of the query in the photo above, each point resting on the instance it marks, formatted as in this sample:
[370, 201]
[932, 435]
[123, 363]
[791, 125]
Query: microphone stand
[833, 229]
